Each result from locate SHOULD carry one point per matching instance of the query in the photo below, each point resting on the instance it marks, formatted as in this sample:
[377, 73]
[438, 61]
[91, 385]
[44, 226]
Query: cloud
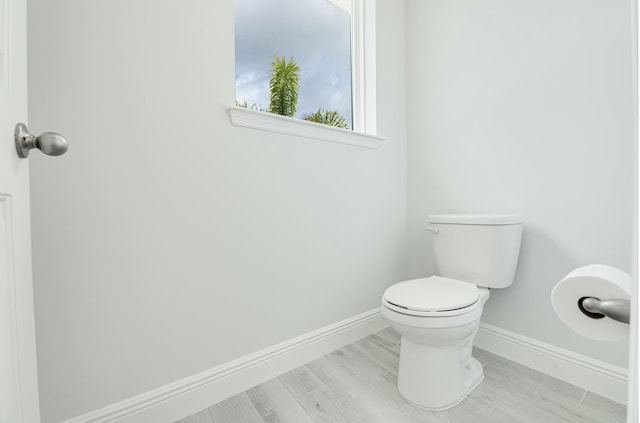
[316, 33]
[252, 86]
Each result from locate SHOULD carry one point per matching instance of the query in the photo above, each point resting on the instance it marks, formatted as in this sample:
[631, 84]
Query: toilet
[438, 316]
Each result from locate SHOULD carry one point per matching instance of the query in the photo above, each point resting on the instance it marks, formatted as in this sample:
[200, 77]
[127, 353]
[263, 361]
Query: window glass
[273, 37]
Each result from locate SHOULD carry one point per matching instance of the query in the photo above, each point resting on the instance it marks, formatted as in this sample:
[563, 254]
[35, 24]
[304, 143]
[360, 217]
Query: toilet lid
[432, 294]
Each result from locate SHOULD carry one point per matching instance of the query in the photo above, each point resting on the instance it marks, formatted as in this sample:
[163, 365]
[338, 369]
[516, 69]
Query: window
[314, 53]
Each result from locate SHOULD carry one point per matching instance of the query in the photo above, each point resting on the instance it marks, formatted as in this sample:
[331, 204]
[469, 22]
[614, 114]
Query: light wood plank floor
[357, 384]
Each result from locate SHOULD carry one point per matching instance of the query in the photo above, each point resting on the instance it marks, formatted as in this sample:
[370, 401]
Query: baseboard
[181, 398]
[172, 402]
[590, 374]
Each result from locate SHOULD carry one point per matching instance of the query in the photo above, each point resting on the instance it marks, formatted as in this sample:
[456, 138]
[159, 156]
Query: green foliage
[246, 105]
[284, 86]
[327, 117]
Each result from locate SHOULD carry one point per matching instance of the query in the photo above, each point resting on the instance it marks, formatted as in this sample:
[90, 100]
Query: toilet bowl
[439, 316]
[436, 369]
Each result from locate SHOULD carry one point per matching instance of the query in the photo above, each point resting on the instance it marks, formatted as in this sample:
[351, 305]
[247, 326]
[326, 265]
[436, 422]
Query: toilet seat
[434, 296]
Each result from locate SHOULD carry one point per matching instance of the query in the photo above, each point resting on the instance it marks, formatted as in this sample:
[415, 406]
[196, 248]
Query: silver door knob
[50, 143]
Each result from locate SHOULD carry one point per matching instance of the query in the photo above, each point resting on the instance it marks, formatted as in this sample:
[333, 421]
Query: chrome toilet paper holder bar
[619, 310]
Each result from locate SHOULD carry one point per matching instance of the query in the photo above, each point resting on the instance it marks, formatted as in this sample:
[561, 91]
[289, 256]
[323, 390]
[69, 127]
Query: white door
[18, 373]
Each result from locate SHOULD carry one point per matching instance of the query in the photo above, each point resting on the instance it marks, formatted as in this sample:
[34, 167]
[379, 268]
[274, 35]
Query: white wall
[167, 241]
[524, 107]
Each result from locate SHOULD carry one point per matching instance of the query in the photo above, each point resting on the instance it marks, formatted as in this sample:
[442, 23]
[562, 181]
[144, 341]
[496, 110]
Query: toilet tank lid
[476, 219]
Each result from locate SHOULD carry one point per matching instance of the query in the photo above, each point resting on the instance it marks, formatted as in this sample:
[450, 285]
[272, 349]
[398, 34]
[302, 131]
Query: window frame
[363, 81]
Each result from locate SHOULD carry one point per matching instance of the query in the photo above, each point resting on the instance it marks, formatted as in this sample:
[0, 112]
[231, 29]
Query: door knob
[50, 143]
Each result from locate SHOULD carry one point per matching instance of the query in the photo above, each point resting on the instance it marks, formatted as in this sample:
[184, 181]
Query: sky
[316, 33]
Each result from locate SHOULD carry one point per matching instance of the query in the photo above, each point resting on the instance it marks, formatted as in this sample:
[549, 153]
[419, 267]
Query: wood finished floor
[357, 384]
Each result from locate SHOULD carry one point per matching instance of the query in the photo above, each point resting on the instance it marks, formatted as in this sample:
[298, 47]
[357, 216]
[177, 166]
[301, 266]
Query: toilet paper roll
[598, 281]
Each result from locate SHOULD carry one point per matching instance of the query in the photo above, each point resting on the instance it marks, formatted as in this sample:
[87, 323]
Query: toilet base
[477, 381]
[437, 377]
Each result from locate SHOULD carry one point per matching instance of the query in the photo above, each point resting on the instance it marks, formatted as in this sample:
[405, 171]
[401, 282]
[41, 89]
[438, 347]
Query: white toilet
[438, 316]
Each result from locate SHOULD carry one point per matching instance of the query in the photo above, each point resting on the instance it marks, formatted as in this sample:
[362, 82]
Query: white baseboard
[172, 402]
[590, 374]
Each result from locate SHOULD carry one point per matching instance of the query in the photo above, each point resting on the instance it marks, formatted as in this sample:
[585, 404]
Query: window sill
[285, 125]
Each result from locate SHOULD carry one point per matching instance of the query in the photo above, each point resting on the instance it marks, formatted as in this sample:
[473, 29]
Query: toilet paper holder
[619, 310]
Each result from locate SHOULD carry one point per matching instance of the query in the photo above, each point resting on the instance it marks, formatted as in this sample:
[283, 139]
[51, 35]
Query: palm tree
[284, 86]
[327, 117]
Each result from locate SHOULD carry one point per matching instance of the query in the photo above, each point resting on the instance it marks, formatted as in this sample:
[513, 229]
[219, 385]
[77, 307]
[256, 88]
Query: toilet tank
[478, 248]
